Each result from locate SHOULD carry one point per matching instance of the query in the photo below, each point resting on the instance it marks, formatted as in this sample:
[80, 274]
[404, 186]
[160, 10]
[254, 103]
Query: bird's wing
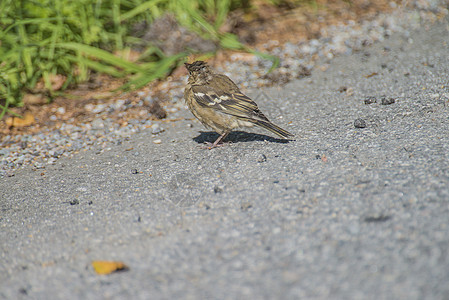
[232, 103]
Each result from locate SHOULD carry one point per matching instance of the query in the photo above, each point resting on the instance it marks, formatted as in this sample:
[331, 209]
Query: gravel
[296, 61]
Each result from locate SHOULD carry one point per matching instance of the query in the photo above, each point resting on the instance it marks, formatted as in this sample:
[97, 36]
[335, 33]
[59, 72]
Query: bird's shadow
[238, 137]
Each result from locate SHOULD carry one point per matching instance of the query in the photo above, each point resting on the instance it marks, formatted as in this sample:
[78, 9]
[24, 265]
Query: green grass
[40, 38]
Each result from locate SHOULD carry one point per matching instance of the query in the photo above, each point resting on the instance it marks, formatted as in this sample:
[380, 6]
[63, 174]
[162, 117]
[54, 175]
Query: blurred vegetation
[42, 38]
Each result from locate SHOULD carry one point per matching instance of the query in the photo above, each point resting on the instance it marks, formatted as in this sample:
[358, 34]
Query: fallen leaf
[34, 99]
[27, 120]
[371, 75]
[108, 267]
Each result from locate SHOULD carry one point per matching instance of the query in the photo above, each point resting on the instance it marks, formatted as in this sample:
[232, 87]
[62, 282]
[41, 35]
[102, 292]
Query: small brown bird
[217, 102]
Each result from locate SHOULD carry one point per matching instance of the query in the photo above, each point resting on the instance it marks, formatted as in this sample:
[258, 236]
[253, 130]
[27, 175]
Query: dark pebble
[342, 89]
[387, 101]
[359, 123]
[377, 218]
[370, 100]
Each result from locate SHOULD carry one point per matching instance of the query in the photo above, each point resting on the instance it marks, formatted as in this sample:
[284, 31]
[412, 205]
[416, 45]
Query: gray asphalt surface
[339, 213]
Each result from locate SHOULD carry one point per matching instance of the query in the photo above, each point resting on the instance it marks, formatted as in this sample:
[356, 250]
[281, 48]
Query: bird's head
[199, 72]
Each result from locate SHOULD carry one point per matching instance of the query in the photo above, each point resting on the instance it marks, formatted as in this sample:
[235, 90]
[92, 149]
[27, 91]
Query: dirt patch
[290, 23]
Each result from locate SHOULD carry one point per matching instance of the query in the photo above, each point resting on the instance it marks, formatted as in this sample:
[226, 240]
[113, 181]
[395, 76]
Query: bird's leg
[219, 139]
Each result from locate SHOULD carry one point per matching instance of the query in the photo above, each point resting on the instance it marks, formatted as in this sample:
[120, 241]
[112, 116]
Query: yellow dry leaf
[107, 267]
[27, 120]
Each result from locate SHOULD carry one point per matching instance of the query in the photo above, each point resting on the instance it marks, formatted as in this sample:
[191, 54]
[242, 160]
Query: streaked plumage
[217, 102]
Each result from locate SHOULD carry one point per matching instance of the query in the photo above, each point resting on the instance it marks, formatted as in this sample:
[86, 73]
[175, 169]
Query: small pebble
[217, 189]
[370, 100]
[158, 141]
[39, 165]
[342, 89]
[261, 158]
[359, 123]
[387, 101]
[155, 129]
[376, 218]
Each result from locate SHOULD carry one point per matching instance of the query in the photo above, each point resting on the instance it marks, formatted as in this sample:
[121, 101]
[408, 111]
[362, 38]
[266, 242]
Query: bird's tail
[273, 128]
